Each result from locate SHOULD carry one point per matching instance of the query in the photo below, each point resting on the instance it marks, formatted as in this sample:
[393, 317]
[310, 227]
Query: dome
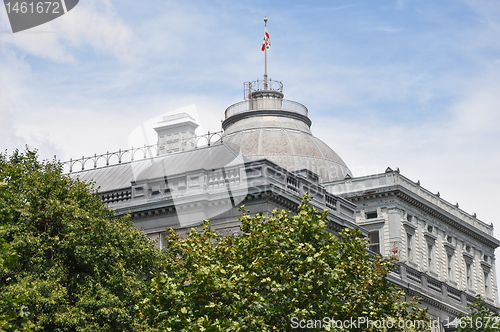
[266, 126]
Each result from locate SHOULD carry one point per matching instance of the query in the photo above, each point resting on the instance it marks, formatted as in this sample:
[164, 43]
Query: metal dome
[266, 126]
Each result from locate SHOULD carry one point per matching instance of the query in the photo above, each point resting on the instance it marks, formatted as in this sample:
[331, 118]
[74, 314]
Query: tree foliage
[78, 268]
[68, 264]
[282, 269]
[12, 311]
[479, 319]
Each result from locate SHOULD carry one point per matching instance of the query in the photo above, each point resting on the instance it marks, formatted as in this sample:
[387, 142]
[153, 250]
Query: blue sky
[408, 84]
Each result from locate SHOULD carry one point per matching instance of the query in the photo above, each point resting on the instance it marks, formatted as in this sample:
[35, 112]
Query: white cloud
[90, 24]
[14, 74]
[96, 24]
[479, 110]
[74, 132]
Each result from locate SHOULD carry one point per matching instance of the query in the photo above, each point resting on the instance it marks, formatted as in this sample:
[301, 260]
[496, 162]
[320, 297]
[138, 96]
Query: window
[468, 274]
[486, 279]
[409, 217]
[409, 246]
[162, 243]
[375, 242]
[450, 266]
[430, 259]
[371, 215]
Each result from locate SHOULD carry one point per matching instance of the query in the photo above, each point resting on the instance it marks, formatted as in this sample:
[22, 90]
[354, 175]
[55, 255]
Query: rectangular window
[162, 243]
[486, 282]
[430, 259]
[468, 274]
[450, 266]
[375, 242]
[409, 246]
[371, 215]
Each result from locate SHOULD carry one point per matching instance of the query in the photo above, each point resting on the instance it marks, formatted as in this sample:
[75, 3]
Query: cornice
[432, 301]
[399, 192]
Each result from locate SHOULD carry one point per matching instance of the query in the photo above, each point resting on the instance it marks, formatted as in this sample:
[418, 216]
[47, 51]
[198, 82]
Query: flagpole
[265, 57]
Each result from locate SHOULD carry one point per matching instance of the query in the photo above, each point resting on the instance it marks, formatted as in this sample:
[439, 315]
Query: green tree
[282, 272]
[78, 267]
[480, 318]
[12, 311]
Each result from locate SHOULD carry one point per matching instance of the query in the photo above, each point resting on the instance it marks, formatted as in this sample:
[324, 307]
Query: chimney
[176, 133]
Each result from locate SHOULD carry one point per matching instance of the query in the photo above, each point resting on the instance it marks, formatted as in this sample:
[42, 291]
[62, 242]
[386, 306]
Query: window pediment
[409, 226]
[468, 257]
[486, 265]
[430, 238]
[450, 248]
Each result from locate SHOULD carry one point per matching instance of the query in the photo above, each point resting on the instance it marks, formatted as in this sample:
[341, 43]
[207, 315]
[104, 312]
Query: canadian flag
[266, 44]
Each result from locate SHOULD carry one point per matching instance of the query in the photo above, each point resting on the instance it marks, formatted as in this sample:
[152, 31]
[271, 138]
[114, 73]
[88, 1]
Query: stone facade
[446, 256]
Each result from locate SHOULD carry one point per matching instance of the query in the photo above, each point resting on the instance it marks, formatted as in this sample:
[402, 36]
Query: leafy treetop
[479, 319]
[283, 272]
[78, 267]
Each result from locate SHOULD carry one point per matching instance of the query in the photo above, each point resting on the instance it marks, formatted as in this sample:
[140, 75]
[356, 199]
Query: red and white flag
[266, 44]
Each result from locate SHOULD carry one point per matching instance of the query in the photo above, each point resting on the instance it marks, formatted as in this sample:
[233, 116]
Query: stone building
[446, 255]
[267, 158]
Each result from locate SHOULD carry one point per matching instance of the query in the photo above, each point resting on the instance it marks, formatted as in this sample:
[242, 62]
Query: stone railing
[438, 290]
[243, 179]
[266, 172]
[117, 196]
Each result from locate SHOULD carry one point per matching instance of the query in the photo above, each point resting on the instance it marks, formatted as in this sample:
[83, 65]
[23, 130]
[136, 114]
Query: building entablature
[198, 194]
[393, 184]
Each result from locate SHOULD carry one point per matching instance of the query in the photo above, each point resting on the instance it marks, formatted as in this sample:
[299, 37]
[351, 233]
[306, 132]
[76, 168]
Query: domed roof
[269, 127]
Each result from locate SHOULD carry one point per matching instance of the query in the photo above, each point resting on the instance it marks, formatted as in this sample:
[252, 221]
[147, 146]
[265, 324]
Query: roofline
[414, 194]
